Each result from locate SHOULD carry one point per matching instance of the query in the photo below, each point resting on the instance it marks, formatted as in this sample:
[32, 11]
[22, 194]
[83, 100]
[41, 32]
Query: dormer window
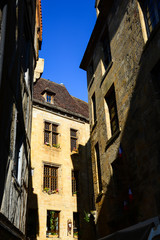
[48, 95]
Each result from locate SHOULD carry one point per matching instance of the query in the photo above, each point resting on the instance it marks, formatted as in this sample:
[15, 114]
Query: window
[106, 51]
[18, 148]
[52, 223]
[98, 167]
[75, 224]
[48, 97]
[151, 12]
[50, 179]
[112, 108]
[75, 184]
[94, 115]
[50, 134]
[73, 134]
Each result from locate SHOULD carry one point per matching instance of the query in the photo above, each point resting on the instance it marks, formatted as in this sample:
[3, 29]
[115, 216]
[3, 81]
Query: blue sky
[67, 27]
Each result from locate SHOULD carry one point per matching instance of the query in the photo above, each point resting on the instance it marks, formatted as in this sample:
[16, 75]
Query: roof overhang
[104, 7]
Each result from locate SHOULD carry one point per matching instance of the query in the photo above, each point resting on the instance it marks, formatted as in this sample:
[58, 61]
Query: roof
[62, 99]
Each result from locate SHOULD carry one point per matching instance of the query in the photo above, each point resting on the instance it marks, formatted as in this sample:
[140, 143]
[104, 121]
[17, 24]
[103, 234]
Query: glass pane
[46, 137]
[54, 138]
[73, 133]
[73, 144]
[47, 125]
[54, 128]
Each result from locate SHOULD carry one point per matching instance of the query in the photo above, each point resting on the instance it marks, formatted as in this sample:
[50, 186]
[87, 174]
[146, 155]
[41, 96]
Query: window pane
[151, 10]
[111, 102]
[75, 186]
[47, 126]
[48, 98]
[98, 166]
[54, 128]
[73, 144]
[73, 133]
[50, 177]
[54, 138]
[94, 108]
[46, 137]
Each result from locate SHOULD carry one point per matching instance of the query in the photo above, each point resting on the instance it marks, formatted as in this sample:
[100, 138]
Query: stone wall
[133, 60]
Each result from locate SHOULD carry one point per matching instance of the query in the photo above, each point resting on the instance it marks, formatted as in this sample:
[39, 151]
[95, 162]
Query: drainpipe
[2, 40]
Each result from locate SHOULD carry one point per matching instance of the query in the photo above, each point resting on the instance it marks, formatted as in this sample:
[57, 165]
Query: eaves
[104, 7]
[61, 111]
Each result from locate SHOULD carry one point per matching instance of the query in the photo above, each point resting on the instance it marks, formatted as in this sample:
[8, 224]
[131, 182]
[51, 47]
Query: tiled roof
[62, 98]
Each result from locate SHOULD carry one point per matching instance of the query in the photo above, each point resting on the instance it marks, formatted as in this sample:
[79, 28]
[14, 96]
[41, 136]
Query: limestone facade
[62, 200]
[122, 62]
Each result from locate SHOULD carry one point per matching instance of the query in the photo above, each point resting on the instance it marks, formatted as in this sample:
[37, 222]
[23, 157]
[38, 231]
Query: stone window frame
[50, 178]
[74, 139]
[106, 59]
[98, 168]
[93, 108]
[48, 96]
[56, 232]
[50, 133]
[75, 182]
[147, 13]
[111, 113]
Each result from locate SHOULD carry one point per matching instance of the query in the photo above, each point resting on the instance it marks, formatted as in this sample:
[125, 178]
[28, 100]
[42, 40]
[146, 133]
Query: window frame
[107, 57]
[48, 98]
[75, 138]
[94, 111]
[110, 100]
[151, 14]
[48, 222]
[51, 132]
[51, 183]
[98, 167]
[75, 182]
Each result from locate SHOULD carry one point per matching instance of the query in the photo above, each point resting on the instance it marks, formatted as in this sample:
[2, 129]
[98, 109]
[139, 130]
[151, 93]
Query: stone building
[19, 47]
[61, 192]
[122, 61]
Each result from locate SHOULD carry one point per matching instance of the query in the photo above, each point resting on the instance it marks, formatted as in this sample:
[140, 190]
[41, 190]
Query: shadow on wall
[85, 194]
[32, 212]
[137, 170]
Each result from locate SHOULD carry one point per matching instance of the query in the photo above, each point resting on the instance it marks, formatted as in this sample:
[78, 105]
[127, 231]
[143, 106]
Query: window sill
[74, 152]
[57, 147]
[74, 195]
[112, 139]
[94, 125]
[106, 72]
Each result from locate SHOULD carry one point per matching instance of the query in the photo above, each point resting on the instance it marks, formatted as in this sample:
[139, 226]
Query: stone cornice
[60, 110]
